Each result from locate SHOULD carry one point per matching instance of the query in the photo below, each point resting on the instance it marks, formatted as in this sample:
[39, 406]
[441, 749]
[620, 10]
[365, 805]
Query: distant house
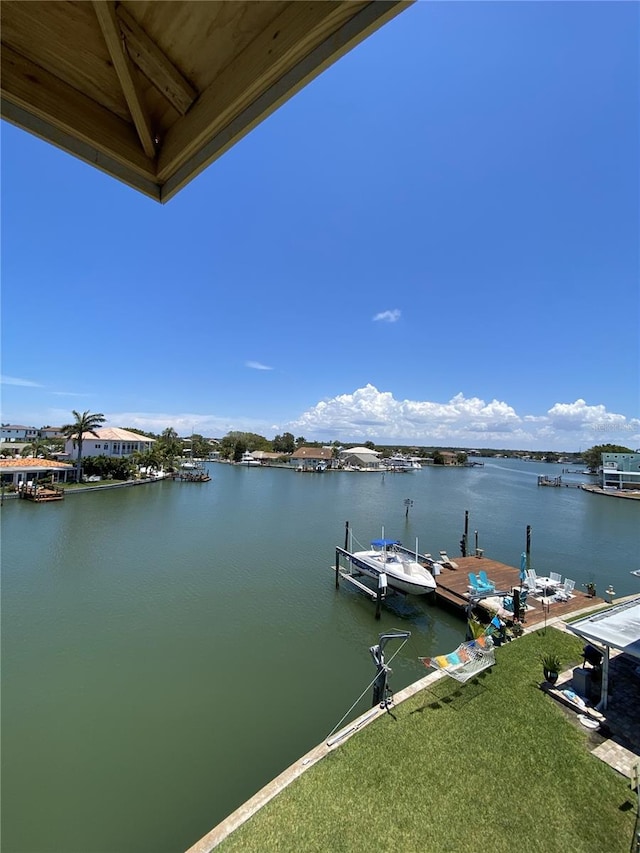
[266, 456]
[360, 457]
[309, 458]
[17, 432]
[620, 471]
[449, 457]
[16, 471]
[50, 432]
[111, 441]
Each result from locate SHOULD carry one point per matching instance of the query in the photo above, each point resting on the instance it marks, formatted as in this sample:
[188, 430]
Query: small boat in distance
[249, 459]
[406, 570]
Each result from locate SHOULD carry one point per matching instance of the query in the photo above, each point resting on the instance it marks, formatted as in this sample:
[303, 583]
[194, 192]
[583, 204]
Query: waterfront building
[310, 457]
[111, 441]
[360, 457]
[15, 471]
[620, 471]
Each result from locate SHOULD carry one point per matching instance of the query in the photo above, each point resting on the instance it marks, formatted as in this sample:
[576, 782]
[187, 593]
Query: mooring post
[337, 569]
[465, 535]
[346, 536]
[476, 535]
[528, 551]
[382, 589]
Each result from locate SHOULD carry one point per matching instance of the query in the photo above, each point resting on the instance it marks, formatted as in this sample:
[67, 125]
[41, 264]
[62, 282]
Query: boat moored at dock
[406, 571]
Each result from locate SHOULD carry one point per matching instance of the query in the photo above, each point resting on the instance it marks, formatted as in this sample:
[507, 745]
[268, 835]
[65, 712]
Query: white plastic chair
[556, 577]
[564, 594]
[530, 581]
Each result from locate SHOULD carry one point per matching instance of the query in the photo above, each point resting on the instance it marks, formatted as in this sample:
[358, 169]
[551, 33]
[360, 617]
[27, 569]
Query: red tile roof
[28, 464]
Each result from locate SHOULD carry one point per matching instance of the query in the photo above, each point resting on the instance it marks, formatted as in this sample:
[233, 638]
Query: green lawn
[494, 764]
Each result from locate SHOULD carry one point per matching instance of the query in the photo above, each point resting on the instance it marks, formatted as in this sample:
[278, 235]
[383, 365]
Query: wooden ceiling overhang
[153, 92]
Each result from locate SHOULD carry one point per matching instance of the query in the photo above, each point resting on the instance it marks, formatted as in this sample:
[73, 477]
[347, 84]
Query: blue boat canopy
[384, 543]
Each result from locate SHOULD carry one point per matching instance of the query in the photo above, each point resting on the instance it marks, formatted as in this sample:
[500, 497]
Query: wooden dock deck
[41, 494]
[452, 590]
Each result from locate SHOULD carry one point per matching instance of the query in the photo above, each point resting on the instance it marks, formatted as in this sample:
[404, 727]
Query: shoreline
[632, 495]
[97, 488]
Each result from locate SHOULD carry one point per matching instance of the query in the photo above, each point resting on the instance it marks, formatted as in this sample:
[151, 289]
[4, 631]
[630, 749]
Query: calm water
[168, 649]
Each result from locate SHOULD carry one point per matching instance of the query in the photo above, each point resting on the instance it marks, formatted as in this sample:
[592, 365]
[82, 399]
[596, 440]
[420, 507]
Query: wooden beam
[56, 105]
[153, 63]
[213, 126]
[286, 40]
[106, 14]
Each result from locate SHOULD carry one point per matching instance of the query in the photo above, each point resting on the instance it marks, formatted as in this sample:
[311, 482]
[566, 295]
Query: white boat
[402, 567]
[398, 462]
[249, 459]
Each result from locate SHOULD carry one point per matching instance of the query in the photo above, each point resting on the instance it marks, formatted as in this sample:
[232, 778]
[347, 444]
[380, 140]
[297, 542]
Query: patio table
[546, 585]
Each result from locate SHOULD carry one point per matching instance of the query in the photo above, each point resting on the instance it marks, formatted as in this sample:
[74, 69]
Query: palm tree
[87, 422]
[169, 446]
[37, 448]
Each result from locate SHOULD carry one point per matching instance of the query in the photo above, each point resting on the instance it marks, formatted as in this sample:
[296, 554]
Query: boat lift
[378, 595]
[382, 694]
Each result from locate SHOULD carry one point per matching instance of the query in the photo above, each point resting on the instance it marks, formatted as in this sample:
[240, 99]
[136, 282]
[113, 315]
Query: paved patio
[617, 741]
[620, 746]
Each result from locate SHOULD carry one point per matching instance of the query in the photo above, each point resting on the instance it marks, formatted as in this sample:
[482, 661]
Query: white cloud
[186, 423]
[24, 383]
[464, 422]
[256, 365]
[388, 316]
[370, 414]
[568, 415]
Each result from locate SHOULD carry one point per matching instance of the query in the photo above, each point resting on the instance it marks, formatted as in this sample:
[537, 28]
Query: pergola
[153, 92]
[617, 627]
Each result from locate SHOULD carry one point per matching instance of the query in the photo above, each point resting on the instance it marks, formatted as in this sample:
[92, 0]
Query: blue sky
[435, 242]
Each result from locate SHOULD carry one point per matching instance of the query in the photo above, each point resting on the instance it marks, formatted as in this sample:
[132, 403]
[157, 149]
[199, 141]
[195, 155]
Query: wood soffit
[153, 92]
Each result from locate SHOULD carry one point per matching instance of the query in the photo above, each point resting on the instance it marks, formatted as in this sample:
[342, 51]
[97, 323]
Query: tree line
[168, 447]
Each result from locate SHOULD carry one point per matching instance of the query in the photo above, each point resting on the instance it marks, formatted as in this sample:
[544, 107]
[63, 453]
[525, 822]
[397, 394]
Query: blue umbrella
[523, 567]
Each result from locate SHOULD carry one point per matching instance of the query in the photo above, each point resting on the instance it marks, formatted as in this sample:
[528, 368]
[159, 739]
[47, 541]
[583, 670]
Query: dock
[41, 494]
[452, 592]
[556, 483]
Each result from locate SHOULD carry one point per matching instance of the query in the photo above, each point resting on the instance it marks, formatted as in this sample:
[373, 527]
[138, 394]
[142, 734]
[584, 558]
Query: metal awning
[153, 92]
[618, 627]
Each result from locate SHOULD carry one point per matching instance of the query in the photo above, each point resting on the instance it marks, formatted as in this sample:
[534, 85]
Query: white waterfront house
[111, 441]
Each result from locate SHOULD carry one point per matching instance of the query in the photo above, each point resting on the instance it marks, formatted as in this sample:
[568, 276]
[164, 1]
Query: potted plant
[551, 667]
